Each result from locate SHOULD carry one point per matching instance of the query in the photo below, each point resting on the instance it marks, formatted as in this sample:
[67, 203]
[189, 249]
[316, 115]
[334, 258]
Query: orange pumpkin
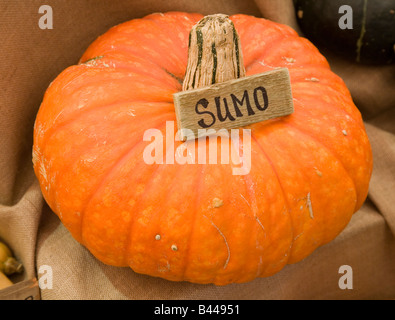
[310, 171]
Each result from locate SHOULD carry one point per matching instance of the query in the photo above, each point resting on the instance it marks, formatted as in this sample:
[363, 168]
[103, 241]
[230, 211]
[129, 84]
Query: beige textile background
[31, 58]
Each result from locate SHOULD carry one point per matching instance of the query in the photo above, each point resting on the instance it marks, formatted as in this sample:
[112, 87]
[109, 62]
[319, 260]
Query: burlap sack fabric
[31, 58]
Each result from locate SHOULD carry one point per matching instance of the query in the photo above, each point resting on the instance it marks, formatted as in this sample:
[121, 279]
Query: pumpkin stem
[214, 53]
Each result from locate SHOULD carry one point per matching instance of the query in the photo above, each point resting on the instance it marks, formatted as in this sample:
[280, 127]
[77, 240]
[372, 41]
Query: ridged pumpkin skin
[310, 171]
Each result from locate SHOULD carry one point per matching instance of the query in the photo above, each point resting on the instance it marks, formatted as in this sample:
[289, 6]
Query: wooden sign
[232, 104]
[24, 290]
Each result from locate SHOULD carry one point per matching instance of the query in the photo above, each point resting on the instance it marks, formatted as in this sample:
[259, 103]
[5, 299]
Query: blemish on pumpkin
[43, 171]
[58, 115]
[312, 79]
[217, 203]
[308, 201]
[90, 159]
[36, 156]
[131, 113]
[261, 225]
[298, 236]
[248, 204]
[318, 172]
[164, 269]
[289, 60]
[226, 242]
[344, 132]
[157, 237]
[174, 247]
[92, 61]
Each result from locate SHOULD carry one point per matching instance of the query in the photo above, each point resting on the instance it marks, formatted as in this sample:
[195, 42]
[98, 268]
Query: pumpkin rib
[177, 42]
[86, 84]
[333, 121]
[320, 77]
[278, 179]
[259, 53]
[313, 94]
[162, 225]
[197, 201]
[252, 204]
[300, 226]
[259, 227]
[107, 174]
[168, 74]
[263, 31]
[287, 205]
[79, 87]
[218, 277]
[72, 69]
[283, 53]
[69, 74]
[252, 197]
[147, 190]
[105, 73]
[103, 181]
[126, 260]
[55, 129]
[269, 67]
[324, 226]
[311, 74]
[145, 52]
[71, 163]
[361, 131]
[353, 121]
[129, 65]
[328, 149]
[141, 56]
[190, 270]
[101, 81]
[273, 59]
[240, 18]
[76, 115]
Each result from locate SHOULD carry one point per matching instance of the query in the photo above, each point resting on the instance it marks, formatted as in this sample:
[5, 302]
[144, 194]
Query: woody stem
[214, 53]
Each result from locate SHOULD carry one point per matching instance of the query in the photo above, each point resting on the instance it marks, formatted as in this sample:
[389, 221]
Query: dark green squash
[372, 39]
